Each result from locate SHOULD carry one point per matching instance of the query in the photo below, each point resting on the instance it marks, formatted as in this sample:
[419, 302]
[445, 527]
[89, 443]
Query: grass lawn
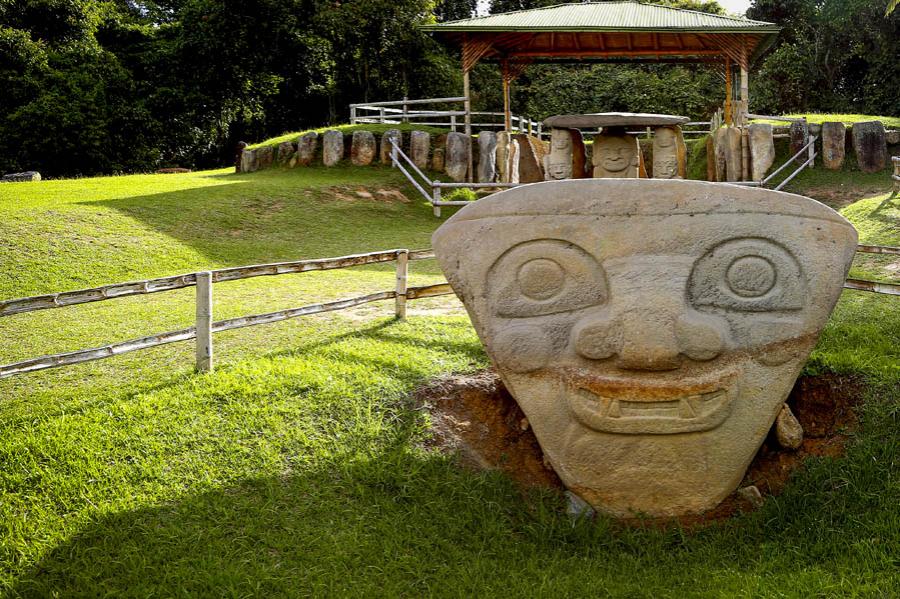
[296, 469]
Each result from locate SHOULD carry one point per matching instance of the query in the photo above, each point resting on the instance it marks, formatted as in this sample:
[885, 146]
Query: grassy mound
[297, 468]
[349, 129]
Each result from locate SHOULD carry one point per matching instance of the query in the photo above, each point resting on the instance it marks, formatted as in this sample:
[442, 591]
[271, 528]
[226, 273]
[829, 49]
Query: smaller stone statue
[616, 156]
[669, 153]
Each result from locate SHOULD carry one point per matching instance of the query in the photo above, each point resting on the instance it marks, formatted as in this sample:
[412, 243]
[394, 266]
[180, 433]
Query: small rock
[332, 147]
[833, 141]
[456, 157]
[799, 133]
[751, 495]
[385, 149]
[523, 424]
[437, 160]
[892, 137]
[264, 157]
[419, 148]
[787, 429]
[306, 148]
[870, 145]
[248, 161]
[362, 148]
[24, 176]
[577, 508]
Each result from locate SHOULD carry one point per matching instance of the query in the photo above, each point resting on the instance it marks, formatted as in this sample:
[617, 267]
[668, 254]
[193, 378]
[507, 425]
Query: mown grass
[296, 468]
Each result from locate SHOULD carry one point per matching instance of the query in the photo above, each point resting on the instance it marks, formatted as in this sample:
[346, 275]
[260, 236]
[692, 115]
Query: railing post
[436, 197]
[381, 115]
[204, 353]
[353, 115]
[394, 157]
[405, 110]
[453, 123]
[402, 274]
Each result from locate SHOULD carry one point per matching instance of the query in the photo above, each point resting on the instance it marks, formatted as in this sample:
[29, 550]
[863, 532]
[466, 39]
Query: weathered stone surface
[239, 155]
[332, 147]
[762, 150]
[285, 152]
[669, 153]
[870, 146]
[22, 177]
[265, 155]
[834, 140]
[456, 156]
[437, 160]
[710, 159]
[512, 162]
[616, 156]
[728, 154]
[787, 429]
[384, 149]
[487, 157]
[566, 157]
[613, 119]
[531, 158]
[362, 148]
[799, 133]
[248, 161]
[650, 336]
[751, 495]
[503, 140]
[306, 148]
[419, 148]
[720, 143]
[892, 137]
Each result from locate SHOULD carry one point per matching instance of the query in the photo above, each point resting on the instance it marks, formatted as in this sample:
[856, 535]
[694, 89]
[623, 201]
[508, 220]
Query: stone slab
[613, 119]
[762, 150]
[22, 177]
[332, 147]
[650, 330]
[870, 146]
[834, 141]
[362, 148]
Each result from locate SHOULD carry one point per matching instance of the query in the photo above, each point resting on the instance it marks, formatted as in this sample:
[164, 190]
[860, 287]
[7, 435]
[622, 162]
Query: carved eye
[748, 274]
[545, 277]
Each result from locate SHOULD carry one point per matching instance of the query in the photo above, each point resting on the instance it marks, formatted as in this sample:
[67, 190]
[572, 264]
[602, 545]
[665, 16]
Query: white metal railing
[398, 157]
[895, 160]
[205, 326]
[395, 112]
[810, 151]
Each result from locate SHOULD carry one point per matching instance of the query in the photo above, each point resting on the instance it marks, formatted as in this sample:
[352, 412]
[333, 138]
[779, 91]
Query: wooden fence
[205, 326]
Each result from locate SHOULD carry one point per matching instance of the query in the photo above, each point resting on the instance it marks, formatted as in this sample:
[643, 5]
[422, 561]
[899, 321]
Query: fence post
[381, 115]
[204, 348]
[402, 273]
[405, 110]
[352, 115]
[812, 151]
[453, 123]
[436, 197]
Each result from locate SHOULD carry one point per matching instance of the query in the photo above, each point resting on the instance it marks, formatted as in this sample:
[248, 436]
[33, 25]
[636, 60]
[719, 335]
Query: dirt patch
[476, 417]
[358, 194]
[840, 196]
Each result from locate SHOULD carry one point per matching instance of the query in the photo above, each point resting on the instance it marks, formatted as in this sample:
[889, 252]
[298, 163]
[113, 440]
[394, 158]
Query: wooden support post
[468, 108]
[507, 111]
[728, 92]
[436, 195]
[402, 273]
[204, 353]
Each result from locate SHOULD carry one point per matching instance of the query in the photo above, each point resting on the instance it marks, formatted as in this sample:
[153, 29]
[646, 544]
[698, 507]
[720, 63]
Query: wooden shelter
[612, 32]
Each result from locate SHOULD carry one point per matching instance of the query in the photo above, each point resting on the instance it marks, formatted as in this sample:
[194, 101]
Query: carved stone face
[559, 161]
[669, 153]
[650, 330]
[616, 156]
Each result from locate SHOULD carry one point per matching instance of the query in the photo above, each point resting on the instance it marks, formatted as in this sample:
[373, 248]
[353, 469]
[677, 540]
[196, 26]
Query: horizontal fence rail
[205, 326]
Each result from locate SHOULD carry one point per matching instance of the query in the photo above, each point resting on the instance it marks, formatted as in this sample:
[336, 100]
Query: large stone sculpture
[870, 145]
[762, 150]
[332, 147]
[834, 139]
[384, 150]
[669, 153]
[419, 148]
[616, 156]
[456, 157]
[650, 330]
[306, 148]
[362, 148]
[487, 157]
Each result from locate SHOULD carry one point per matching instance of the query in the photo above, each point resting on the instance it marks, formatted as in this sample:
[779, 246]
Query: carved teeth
[685, 410]
[614, 411]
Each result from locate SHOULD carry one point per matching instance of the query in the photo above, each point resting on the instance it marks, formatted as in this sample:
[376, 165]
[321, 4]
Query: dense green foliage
[103, 86]
[833, 56]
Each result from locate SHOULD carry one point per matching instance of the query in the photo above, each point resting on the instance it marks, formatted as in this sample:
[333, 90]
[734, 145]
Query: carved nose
[649, 341]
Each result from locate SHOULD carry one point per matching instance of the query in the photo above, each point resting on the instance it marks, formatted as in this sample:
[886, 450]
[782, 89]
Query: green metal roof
[606, 16]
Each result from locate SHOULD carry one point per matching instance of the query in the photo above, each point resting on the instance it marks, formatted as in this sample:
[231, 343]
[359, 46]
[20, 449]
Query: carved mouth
[655, 410]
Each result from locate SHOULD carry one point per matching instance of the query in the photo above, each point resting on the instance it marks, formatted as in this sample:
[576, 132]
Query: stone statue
[616, 156]
[650, 330]
[567, 156]
[669, 153]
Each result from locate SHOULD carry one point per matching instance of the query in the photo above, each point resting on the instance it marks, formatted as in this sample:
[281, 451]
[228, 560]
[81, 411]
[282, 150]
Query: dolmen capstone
[650, 330]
